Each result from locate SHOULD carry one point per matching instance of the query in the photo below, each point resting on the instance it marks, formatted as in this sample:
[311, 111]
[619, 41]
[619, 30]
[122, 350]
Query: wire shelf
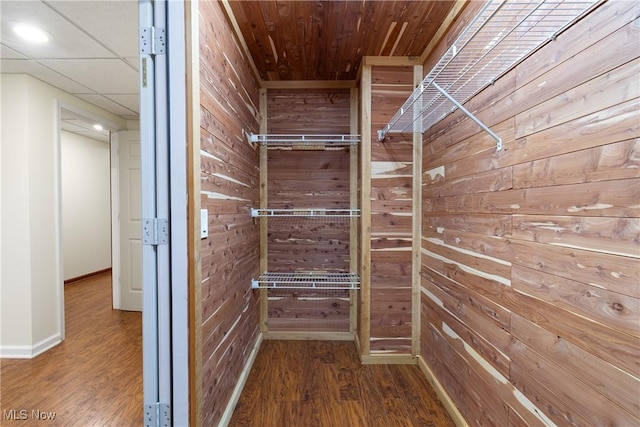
[306, 212]
[307, 280]
[502, 34]
[305, 142]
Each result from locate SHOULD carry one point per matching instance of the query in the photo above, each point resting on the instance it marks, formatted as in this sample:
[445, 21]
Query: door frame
[111, 127]
[114, 147]
[163, 142]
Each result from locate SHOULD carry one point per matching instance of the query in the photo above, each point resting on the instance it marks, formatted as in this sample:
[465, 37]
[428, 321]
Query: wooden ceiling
[326, 40]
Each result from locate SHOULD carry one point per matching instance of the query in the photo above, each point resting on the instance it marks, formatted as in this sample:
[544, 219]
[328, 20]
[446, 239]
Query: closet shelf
[311, 212]
[304, 142]
[307, 280]
[502, 34]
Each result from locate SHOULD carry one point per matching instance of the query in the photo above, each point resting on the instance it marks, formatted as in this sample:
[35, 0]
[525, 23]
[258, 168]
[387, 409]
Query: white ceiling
[93, 51]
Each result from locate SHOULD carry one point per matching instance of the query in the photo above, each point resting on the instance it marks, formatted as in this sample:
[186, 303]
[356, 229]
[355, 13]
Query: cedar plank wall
[230, 187]
[308, 179]
[530, 256]
[391, 215]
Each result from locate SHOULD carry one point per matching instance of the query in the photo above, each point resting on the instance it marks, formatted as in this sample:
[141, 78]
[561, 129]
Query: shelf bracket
[469, 114]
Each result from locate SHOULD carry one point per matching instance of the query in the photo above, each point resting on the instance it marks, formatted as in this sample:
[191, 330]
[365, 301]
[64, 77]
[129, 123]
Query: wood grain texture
[308, 111]
[93, 377]
[391, 216]
[309, 179]
[322, 383]
[364, 248]
[530, 255]
[193, 217]
[229, 182]
[354, 183]
[327, 40]
[309, 310]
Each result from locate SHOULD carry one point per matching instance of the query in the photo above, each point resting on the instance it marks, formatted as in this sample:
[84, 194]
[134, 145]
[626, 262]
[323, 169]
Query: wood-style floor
[93, 378]
[322, 383]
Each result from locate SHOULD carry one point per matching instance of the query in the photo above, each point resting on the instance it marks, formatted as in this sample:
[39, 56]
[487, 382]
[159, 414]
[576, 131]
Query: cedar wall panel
[308, 179]
[230, 182]
[530, 255]
[391, 215]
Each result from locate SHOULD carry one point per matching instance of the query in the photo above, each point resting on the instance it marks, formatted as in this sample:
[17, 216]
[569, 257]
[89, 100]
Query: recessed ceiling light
[30, 33]
[98, 127]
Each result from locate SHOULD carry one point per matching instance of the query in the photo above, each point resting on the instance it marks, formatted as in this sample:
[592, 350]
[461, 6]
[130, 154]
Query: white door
[130, 283]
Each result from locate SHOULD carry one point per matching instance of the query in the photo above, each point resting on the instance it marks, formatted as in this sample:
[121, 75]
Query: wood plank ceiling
[326, 40]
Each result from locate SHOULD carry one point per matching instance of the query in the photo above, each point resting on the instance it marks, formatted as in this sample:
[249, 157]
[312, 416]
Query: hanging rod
[501, 35]
[281, 140]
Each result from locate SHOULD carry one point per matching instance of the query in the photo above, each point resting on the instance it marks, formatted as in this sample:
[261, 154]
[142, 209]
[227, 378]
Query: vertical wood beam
[365, 210]
[264, 203]
[416, 264]
[353, 204]
[193, 214]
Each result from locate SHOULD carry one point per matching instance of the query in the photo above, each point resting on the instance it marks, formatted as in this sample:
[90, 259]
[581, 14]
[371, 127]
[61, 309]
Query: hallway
[93, 378]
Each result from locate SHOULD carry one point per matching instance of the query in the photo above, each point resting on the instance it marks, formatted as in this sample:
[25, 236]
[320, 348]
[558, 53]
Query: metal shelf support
[470, 115]
[498, 38]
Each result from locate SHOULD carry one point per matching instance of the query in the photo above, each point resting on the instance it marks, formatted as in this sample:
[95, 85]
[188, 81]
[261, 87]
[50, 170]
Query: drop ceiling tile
[114, 23]
[95, 135]
[107, 104]
[71, 127]
[100, 75]
[131, 101]
[8, 53]
[78, 122]
[103, 137]
[34, 69]
[67, 40]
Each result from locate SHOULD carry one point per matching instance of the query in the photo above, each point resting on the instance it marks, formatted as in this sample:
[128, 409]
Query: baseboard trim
[308, 336]
[87, 276]
[442, 394]
[387, 359]
[29, 351]
[237, 391]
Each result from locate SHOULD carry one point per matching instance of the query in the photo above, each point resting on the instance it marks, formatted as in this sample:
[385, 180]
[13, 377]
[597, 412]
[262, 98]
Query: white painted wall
[31, 266]
[86, 216]
[15, 286]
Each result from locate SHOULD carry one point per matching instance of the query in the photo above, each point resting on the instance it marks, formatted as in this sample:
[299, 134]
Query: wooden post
[353, 192]
[264, 203]
[416, 227]
[193, 216]
[365, 210]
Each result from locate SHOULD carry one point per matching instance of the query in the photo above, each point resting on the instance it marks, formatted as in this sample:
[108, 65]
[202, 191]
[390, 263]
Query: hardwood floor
[93, 378]
[322, 383]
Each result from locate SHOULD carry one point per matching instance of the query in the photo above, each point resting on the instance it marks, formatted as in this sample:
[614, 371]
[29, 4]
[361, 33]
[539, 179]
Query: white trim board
[29, 351]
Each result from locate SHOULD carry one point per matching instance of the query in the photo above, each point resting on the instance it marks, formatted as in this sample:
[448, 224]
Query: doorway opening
[100, 206]
[99, 236]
